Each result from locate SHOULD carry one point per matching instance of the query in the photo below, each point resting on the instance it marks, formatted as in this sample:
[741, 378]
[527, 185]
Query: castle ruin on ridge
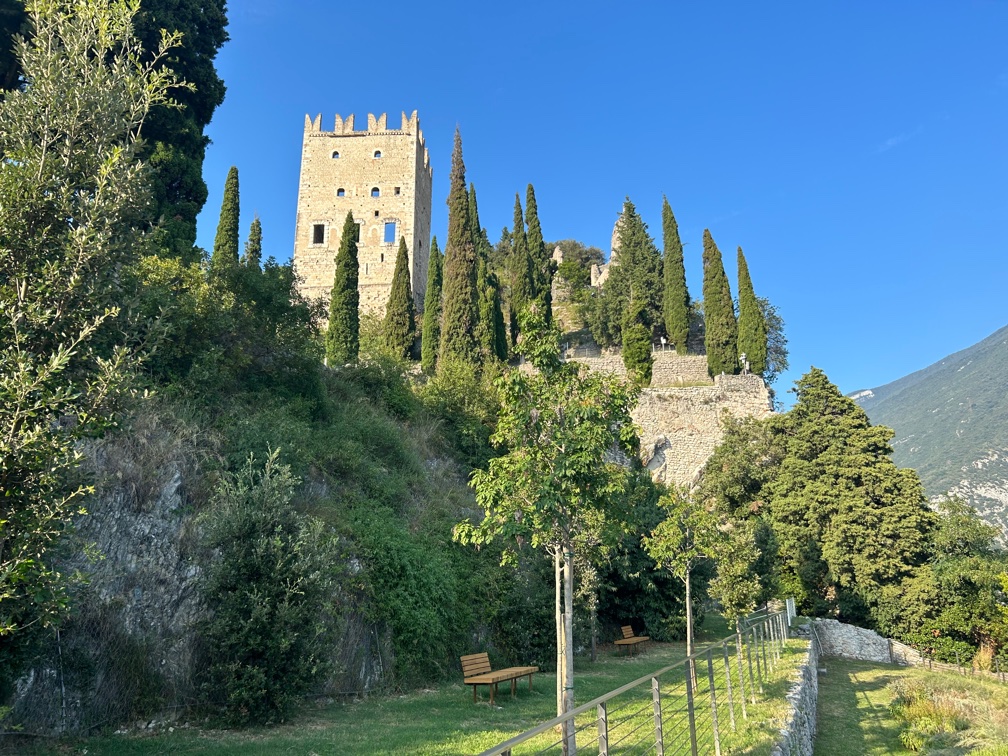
[383, 176]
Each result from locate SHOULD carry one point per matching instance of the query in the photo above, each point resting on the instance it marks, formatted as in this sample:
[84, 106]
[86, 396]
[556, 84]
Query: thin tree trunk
[559, 631]
[594, 625]
[689, 616]
[569, 740]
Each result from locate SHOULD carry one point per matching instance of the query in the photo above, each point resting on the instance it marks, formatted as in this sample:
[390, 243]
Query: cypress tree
[675, 295]
[636, 348]
[343, 334]
[520, 270]
[225, 248]
[431, 337]
[399, 327]
[486, 336]
[720, 328]
[253, 246]
[752, 327]
[459, 317]
[542, 278]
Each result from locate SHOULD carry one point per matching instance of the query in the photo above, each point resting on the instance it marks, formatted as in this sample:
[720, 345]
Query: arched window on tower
[341, 192]
[377, 154]
[335, 154]
[375, 192]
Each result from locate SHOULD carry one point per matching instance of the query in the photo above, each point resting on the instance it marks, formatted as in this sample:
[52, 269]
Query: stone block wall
[668, 368]
[850, 642]
[797, 736]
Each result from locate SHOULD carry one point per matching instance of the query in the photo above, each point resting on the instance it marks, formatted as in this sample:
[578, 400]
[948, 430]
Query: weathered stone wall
[797, 736]
[681, 427]
[382, 176]
[667, 369]
[850, 642]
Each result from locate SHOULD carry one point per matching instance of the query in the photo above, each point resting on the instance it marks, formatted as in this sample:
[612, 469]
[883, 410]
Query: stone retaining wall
[849, 642]
[797, 736]
[668, 368]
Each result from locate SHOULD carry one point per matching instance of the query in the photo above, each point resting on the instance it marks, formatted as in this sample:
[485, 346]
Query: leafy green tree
[460, 305]
[225, 249]
[721, 329]
[72, 193]
[431, 337]
[343, 334]
[252, 258]
[175, 143]
[13, 20]
[541, 270]
[686, 537]
[557, 425]
[272, 576]
[848, 521]
[520, 271]
[400, 319]
[752, 326]
[777, 352]
[675, 295]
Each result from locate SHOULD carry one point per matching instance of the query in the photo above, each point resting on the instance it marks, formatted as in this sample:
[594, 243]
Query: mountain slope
[951, 423]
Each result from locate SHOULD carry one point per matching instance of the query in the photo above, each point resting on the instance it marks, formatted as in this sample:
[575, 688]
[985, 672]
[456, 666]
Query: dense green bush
[271, 579]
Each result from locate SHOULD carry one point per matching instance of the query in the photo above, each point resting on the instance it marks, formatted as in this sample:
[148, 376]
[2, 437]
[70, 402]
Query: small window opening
[341, 192]
[390, 231]
[397, 191]
[335, 155]
[383, 257]
[375, 213]
[358, 232]
[377, 153]
[375, 192]
[318, 233]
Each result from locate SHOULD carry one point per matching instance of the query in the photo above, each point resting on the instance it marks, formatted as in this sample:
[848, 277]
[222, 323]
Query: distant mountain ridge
[951, 424]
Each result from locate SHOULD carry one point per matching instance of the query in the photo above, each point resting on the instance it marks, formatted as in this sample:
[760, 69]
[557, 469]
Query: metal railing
[684, 708]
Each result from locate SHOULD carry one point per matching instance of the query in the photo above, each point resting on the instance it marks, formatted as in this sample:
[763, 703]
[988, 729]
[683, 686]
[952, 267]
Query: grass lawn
[854, 715]
[443, 719]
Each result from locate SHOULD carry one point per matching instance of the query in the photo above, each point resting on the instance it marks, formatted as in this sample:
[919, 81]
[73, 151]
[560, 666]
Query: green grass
[856, 713]
[444, 720]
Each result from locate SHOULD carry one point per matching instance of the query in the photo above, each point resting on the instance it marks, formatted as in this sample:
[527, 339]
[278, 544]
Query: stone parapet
[797, 736]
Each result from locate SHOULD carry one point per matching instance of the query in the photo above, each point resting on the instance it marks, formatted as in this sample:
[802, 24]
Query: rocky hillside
[951, 423]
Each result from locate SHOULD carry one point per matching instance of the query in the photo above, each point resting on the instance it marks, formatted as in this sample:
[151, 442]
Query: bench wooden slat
[629, 640]
[476, 671]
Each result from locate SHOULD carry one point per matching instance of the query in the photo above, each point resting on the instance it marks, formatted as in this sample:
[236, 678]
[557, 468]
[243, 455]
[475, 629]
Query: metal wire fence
[685, 708]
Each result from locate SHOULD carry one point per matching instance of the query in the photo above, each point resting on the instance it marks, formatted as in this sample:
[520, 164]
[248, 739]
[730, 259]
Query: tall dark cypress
[460, 314]
[253, 246]
[675, 295]
[343, 333]
[225, 248]
[542, 273]
[752, 327]
[399, 327]
[519, 270]
[431, 335]
[720, 327]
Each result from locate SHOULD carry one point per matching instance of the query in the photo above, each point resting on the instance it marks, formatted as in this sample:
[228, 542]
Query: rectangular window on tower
[390, 229]
[318, 233]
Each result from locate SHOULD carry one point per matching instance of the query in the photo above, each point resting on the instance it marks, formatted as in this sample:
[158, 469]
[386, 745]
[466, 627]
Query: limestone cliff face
[679, 416]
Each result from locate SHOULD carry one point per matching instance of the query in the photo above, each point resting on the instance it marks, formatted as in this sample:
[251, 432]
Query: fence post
[603, 730]
[741, 674]
[689, 706]
[752, 680]
[713, 702]
[763, 645]
[756, 648]
[656, 697]
[727, 675]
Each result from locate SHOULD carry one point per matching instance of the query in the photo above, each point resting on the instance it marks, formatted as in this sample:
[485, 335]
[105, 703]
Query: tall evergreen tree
[675, 294]
[343, 333]
[225, 249]
[253, 246]
[542, 273]
[752, 327]
[399, 327]
[460, 314]
[520, 270]
[721, 329]
[431, 336]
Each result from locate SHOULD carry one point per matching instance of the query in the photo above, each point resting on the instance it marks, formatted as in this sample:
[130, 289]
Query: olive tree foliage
[553, 488]
[72, 197]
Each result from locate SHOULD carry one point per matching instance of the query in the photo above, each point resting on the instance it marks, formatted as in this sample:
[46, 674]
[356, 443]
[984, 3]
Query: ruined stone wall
[668, 368]
[381, 175]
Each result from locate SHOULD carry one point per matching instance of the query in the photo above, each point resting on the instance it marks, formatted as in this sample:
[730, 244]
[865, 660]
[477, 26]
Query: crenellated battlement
[377, 125]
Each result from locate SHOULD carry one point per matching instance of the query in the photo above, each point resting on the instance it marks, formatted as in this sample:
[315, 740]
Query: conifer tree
[431, 338]
[542, 278]
[253, 246]
[520, 270]
[460, 313]
[752, 327]
[225, 249]
[675, 294]
[399, 327]
[343, 334]
[721, 329]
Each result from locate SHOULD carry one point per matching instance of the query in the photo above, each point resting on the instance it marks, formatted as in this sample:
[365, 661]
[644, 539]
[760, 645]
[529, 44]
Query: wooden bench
[476, 671]
[629, 640]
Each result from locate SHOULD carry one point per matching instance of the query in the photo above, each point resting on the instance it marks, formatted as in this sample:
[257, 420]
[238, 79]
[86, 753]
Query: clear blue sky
[857, 151]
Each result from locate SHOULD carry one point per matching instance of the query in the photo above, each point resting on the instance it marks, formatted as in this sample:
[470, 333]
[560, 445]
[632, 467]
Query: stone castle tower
[381, 175]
